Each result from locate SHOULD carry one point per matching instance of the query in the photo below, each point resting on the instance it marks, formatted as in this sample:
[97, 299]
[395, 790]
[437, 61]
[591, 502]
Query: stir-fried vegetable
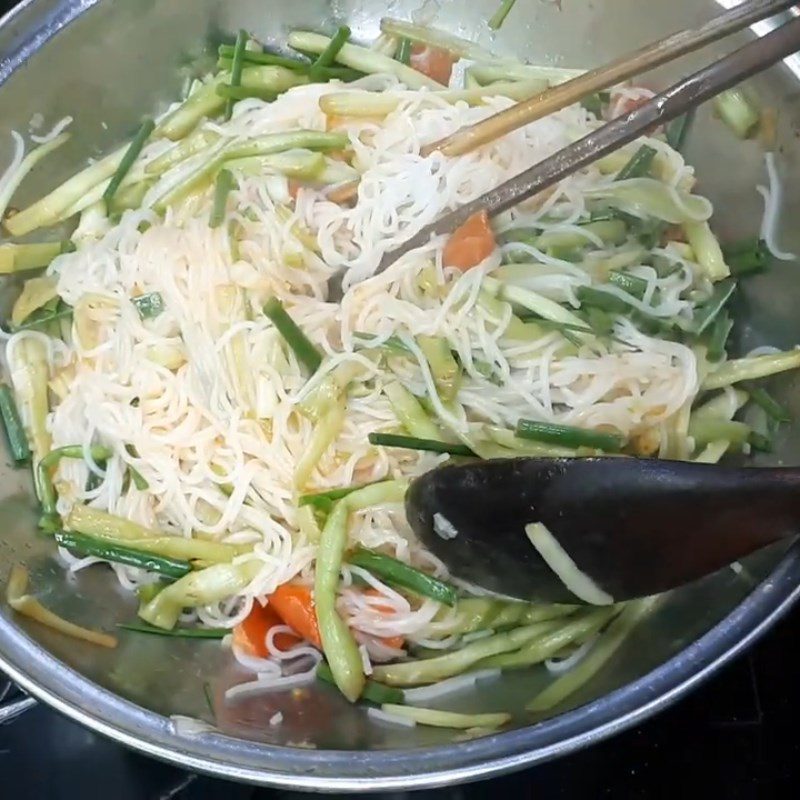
[128, 159]
[199, 588]
[414, 443]
[401, 574]
[177, 633]
[568, 436]
[149, 305]
[470, 244]
[499, 16]
[750, 369]
[430, 670]
[737, 112]
[338, 644]
[22, 257]
[640, 164]
[303, 348]
[372, 692]
[29, 606]
[361, 58]
[601, 653]
[222, 188]
[117, 530]
[12, 424]
[294, 604]
[130, 556]
[446, 719]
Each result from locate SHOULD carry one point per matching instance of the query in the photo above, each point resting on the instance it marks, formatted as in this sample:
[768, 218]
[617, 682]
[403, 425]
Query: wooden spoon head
[636, 527]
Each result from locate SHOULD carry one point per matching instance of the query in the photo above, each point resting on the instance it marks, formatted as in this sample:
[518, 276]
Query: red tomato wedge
[470, 244]
[434, 62]
[294, 604]
[390, 641]
[250, 635]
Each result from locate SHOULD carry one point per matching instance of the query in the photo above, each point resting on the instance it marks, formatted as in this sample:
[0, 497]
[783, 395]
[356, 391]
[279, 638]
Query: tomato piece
[434, 62]
[390, 641]
[470, 244]
[294, 604]
[250, 635]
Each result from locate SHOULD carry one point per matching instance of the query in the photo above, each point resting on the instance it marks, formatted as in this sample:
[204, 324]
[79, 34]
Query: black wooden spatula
[632, 527]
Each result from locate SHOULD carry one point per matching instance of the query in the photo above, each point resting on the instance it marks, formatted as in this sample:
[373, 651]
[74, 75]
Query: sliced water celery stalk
[516, 330]
[485, 613]
[431, 670]
[206, 101]
[130, 556]
[560, 635]
[29, 606]
[12, 424]
[326, 431]
[237, 64]
[403, 53]
[196, 142]
[373, 692]
[605, 648]
[415, 443]
[265, 145]
[222, 188]
[737, 112]
[678, 130]
[48, 210]
[639, 165]
[305, 350]
[328, 56]
[424, 34]
[102, 525]
[746, 257]
[706, 431]
[50, 462]
[262, 57]
[32, 255]
[362, 59]
[340, 648]
[177, 633]
[199, 588]
[12, 182]
[531, 301]
[410, 414]
[773, 409]
[490, 71]
[750, 369]
[499, 17]
[444, 368]
[29, 375]
[527, 447]
[723, 406]
[131, 154]
[569, 436]
[707, 250]
[401, 574]
[708, 312]
[447, 719]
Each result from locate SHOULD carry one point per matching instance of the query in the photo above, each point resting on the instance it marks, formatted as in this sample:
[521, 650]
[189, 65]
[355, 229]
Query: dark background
[737, 737]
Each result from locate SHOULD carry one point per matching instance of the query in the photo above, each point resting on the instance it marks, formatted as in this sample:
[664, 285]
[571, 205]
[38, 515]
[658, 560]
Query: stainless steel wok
[106, 63]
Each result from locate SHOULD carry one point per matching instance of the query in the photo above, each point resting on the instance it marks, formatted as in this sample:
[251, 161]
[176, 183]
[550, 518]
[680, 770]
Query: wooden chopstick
[679, 98]
[645, 58]
[573, 91]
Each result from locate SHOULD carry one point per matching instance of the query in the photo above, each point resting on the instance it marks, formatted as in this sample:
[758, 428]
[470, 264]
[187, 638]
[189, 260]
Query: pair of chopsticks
[754, 57]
